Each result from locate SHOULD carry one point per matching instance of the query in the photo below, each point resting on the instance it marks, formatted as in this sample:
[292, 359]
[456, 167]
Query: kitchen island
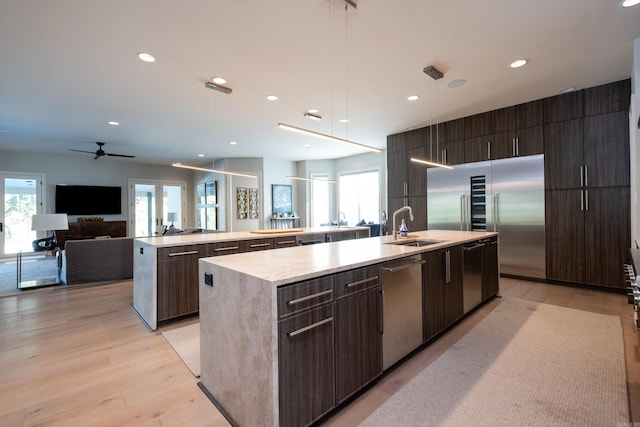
[286, 337]
[165, 268]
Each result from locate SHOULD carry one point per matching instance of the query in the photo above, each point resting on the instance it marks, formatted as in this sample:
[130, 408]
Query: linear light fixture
[325, 136]
[302, 178]
[180, 165]
[428, 163]
[218, 87]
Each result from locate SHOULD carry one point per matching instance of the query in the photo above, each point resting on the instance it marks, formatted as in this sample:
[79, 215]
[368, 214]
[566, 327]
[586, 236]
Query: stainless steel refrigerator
[506, 196]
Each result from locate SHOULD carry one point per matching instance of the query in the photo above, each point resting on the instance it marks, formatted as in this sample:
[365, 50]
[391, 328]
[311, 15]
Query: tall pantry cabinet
[587, 197]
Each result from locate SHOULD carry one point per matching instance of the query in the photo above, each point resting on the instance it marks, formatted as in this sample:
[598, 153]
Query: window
[360, 196]
[320, 196]
[207, 210]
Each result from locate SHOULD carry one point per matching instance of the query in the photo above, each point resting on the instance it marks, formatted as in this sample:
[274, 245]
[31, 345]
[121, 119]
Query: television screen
[88, 200]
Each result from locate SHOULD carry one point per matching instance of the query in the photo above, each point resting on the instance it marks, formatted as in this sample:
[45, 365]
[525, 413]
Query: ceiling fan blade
[82, 151]
[118, 155]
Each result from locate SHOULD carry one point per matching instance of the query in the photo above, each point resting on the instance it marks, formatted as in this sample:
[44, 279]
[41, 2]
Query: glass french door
[156, 206]
[21, 196]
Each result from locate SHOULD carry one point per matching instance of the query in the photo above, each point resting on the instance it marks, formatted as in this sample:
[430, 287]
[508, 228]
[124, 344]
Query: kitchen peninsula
[165, 268]
[285, 339]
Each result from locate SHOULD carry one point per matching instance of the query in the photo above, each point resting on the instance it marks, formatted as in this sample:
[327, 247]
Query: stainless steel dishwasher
[472, 282]
[402, 305]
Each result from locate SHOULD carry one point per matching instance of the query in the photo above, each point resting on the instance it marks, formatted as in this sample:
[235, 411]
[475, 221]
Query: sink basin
[416, 243]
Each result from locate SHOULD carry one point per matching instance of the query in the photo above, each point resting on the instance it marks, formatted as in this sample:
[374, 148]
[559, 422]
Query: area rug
[525, 364]
[186, 342]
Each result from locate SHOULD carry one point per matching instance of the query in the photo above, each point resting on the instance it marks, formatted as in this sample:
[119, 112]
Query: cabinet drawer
[304, 295]
[257, 245]
[179, 253]
[357, 280]
[223, 248]
[284, 242]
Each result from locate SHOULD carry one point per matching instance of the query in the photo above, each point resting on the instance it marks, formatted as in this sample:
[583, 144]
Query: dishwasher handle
[403, 266]
[474, 247]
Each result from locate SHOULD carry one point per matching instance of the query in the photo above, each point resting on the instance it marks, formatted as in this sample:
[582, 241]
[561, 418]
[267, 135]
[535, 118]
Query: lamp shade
[42, 222]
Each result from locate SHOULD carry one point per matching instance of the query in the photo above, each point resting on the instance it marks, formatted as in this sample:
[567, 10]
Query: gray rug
[525, 364]
[34, 267]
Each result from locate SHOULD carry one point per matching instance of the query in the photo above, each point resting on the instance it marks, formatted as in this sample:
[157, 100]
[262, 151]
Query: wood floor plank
[79, 356]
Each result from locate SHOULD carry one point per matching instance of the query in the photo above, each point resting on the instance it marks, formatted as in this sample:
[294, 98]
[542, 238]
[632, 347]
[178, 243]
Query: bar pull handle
[444, 160]
[183, 253]
[308, 297]
[228, 248]
[517, 146]
[403, 266]
[259, 245]
[361, 282]
[582, 200]
[286, 242]
[406, 188]
[310, 327]
[581, 176]
[381, 311]
[488, 150]
[586, 200]
[513, 146]
[586, 176]
[447, 267]
[0, 227]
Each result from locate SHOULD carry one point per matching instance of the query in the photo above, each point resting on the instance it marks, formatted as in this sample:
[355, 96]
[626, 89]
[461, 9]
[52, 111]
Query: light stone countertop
[230, 236]
[288, 265]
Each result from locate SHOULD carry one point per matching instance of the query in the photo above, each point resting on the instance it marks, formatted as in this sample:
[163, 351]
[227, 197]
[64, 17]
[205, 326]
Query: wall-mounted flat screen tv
[88, 200]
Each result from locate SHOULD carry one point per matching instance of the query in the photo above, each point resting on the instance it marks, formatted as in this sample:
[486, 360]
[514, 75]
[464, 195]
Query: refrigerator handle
[495, 212]
[462, 216]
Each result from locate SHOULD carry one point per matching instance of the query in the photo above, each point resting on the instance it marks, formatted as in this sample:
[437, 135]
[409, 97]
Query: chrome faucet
[341, 215]
[402, 209]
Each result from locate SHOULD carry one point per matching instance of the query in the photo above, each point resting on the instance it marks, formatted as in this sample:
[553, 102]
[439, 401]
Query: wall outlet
[208, 279]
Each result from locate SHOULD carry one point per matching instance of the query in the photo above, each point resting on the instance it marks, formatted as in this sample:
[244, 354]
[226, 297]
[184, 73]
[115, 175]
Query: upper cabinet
[609, 98]
[506, 132]
[560, 108]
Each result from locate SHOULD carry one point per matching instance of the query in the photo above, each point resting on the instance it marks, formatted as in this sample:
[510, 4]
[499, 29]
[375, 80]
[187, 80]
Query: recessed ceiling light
[344, 120]
[200, 155]
[114, 123]
[313, 110]
[233, 143]
[629, 3]
[146, 57]
[412, 98]
[272, 97]
[568, 89]
[518, 63]
[457, 83]
[218, 80]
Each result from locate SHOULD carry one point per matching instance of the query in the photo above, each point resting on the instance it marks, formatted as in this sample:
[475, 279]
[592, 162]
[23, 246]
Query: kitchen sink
[416, 243]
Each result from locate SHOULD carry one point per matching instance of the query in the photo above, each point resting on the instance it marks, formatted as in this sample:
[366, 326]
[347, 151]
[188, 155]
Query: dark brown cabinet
[178, 281]
[306, 366]
[560, 108]
[329, 342]
[442, 297]
[606, 150]
[257, 245]
[587, 234]
[563, 155]
[358, 330]
[607, 98]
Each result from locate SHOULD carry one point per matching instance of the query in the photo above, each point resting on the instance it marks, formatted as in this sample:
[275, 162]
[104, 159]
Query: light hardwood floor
[80, 357]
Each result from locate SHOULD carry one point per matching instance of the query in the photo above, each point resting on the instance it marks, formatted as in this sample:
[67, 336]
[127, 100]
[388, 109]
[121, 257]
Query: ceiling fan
[100, 152]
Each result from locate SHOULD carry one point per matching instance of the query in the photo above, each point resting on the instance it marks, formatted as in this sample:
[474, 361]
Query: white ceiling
[67, 67]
